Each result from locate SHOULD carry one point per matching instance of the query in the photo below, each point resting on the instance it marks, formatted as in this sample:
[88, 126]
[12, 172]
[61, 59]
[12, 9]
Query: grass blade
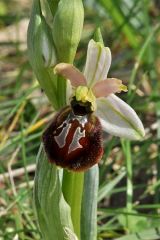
[151, 234]
[107, 188]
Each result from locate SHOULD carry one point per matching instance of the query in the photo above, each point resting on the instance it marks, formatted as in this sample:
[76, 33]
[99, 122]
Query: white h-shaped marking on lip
[75, 140]
[61, 138]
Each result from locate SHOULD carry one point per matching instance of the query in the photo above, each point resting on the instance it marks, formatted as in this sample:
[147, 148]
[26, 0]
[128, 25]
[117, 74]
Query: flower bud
[67, 28]
[41, 52]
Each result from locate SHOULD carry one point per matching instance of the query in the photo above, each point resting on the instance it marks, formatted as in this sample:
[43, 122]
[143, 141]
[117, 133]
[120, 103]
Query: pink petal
[70, 72]
[108, 86]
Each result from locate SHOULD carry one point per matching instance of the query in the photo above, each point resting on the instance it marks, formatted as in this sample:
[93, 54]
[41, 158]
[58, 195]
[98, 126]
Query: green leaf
[89, 204]
[53, 213]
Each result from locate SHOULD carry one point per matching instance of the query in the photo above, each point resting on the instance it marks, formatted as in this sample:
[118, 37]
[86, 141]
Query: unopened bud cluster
[53, 41]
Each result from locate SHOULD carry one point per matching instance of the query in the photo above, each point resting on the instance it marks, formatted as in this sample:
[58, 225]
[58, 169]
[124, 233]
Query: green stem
[129, 193]
[129, 177]
[72, 187]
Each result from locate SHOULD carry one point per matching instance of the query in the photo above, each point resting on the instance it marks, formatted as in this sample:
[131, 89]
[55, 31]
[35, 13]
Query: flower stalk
[129, 192]
[73, 189]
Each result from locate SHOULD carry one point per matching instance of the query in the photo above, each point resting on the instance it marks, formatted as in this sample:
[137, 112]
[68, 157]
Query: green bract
[42, 53]
[67, 29]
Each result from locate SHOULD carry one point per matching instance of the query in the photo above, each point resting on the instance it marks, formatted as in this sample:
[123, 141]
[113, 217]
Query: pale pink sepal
[107, 87]
[68, 71]
[118, 118]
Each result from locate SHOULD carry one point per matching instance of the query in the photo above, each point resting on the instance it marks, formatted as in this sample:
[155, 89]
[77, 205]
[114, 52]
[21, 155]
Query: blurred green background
[131, 28]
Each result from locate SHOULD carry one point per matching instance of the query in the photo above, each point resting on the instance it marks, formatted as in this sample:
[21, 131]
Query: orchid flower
[74, 138]
[116, 116]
